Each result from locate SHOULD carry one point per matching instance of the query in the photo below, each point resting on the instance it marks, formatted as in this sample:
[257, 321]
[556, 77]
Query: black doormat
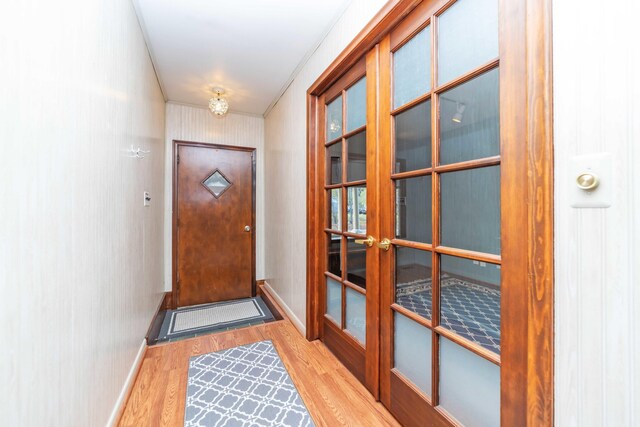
[187, 322]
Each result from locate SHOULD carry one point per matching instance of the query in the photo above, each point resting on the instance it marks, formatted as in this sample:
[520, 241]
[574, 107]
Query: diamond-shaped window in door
[216, 183]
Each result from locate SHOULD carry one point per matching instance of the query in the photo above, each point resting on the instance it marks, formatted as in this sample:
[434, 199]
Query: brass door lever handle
[369, 241]
[384, 244]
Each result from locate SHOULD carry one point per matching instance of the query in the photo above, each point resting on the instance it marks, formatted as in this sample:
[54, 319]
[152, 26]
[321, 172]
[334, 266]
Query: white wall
[597, 109]
[285, 155]
[196, 124]
[80, 257]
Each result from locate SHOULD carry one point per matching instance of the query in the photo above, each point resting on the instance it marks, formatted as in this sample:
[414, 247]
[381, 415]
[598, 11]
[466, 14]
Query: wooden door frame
[526, 39]
[174, 227]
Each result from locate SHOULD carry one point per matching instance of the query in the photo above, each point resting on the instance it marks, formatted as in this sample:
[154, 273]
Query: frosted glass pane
[334, 300]
[470, 209]
[413, 209]
[335, 213]
[356, 321]
[357, 105]
[357, 157]
[412, 69]
[469, 386]
[412, 351]
[413, 280]
[217, 183]
[334, 119]
[413, 138]
[469, 120]
[467, 37]
[470, 300]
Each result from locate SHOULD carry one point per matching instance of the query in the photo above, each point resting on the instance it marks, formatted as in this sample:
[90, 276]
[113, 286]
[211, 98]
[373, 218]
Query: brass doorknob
[369, 241]
[588, 181]
[384, 244]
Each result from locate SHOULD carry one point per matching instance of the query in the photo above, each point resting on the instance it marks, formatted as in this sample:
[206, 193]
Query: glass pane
[334, 163]
[334, 119]
[470, 300]
[467, 37]
[334, 300]
[470, 209]
[335, 213]
[413, 138]
[356, 321]
[469, 386]
[356, 263]
[413, 209]
[216, 183]
[469, 120]
[357, 157]
[412, 351]
[357, 105]
[357, 209]
[413, 280]
[334, 264]
[412, 69]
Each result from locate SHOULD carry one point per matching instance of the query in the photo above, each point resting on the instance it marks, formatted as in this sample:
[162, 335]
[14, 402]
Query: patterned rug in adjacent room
[196, 320]
[243, 386]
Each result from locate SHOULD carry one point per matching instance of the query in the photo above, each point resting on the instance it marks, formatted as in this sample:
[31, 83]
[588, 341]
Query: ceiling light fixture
[457, 117]
[218, 104]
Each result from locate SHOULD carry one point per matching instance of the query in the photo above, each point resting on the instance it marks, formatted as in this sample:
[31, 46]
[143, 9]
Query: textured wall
[597, 109]
[285, 155]
[199, 125]
[80, 257]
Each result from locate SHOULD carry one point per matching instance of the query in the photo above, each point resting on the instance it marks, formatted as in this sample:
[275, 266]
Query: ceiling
[250, 48]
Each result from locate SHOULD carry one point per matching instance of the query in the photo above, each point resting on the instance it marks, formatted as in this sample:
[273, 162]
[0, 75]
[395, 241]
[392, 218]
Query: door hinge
[178, 161]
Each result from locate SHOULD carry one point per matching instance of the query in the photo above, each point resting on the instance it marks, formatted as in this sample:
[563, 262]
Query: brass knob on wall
[588, 181]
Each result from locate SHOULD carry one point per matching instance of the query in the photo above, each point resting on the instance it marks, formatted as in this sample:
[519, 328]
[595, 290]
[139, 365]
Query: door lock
[384, 244]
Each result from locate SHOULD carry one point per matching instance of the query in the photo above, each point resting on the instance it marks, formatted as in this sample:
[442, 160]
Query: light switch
[591, 181]
[147, 199]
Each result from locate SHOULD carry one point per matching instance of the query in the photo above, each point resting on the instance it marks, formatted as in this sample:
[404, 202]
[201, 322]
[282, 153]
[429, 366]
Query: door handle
[369, 241]
[247, 228]
[384, 244]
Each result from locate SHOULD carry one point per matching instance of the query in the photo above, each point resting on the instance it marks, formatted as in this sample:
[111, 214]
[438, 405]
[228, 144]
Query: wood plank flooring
[333, 396]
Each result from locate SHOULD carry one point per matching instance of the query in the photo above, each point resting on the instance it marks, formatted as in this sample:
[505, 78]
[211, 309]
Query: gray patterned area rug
[243, 386]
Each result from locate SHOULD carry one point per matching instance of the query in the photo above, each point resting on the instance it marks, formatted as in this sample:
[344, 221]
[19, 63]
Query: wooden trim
[125, 401]
[158, 317]
[346, 349]
[174, 228]
[277, 311]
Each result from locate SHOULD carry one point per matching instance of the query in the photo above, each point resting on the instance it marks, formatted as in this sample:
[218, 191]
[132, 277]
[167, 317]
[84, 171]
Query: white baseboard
[124, 393]
[294, 319]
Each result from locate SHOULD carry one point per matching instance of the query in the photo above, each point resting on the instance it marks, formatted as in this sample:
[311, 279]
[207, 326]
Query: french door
[430, 243]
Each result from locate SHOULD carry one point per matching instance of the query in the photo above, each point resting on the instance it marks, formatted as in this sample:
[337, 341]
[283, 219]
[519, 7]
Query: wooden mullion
[409, 105]
[353, 235]
[435, 217]
[412, 174]
[412, 315]
[358, 183]
[473, 255]
[494, 63]
[355, 131]
[333, 141]
[469, 164]
[332, 186]
[355, 287]
[412, 245]
[469, 345]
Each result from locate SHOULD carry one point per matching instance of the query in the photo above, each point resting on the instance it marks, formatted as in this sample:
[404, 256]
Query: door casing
[525, 53]
[174, 247]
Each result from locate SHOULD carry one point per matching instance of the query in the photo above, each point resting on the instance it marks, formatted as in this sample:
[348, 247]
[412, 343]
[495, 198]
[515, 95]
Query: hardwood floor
[333, 396]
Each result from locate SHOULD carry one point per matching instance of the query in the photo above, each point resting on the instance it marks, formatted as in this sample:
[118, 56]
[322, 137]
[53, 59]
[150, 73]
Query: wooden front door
[214, 193]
